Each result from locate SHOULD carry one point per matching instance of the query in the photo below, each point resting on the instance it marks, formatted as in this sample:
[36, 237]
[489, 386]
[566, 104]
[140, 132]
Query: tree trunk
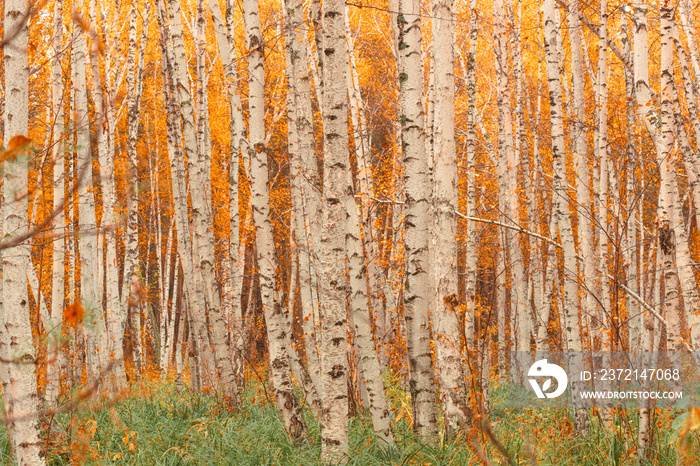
[417, 210]
[96, 344]
[445, 313]
[571, 323]
[278, 332]
[116, 313]
[16, 344]
[191, 276]
[54, 355]
[304, 182]
[336, 169]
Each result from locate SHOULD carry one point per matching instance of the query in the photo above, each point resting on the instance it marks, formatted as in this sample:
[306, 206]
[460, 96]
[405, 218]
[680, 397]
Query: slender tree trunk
[116, 315]
[16, 343]
[417, 210]
[58, 270]
[191, 276]
[278, 332]
[96, 344]
[236, 250]
[304, 181]
[513, 148]
[132, 274]
[359, 307]
[571, 322]
[445, 313]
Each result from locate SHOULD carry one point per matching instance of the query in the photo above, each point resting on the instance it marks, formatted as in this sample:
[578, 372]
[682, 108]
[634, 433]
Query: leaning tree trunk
[580, 150]
[16, 344]
[237, 127]
[277, 331]
[203, 238]
[305, 183]
[131, 261]
[191, 276]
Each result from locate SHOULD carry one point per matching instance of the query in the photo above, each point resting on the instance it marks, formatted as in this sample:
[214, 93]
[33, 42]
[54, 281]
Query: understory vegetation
[152, 423]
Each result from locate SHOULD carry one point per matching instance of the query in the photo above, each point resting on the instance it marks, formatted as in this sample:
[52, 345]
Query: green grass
[153, 424]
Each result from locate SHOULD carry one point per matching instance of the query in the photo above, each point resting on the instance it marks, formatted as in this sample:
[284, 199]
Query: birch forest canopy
[364, 211]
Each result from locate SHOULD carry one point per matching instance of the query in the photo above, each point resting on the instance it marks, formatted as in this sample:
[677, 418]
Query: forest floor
[152, 424]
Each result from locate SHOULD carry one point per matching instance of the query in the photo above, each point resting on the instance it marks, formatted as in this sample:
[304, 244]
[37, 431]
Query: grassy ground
[153, 424]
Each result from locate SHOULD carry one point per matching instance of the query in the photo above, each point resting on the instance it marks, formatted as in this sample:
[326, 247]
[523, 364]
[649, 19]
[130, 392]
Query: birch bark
[304, 180]
[237, 127]
[58, 269]
[579, 145]
[417, 210]
[192, 278]
[560, 193]
[444, 316]
[19, 378]
[277, 331]
[203, 239]
[131, 264]
[96, 343]
[116, 316]
[334, 363]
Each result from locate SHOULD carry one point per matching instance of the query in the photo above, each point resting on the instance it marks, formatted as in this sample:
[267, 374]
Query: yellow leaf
[92, 427]
[694, 419]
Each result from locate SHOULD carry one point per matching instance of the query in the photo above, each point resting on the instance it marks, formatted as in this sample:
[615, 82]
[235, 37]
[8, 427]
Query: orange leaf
[73, 314]
[15, 146]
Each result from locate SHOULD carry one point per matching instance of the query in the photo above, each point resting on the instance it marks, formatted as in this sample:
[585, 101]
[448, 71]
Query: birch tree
[58, 268]
[444, 316]
[277, 331]
[203, 240]
[417, 209]
[18, 375]
[571, 324]
[334, 363]
[131, 271]
[116, 317]
[236, 249]
[192, 280]
[304, 183]
[96, 342]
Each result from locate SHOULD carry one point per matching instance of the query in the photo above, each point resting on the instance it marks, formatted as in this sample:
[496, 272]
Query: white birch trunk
[116, 316]
[334, 362]
[278, 333]
[513, 154]
[192, 280]
[304, 181]
[19, 378]
[237, 127]
[96, 342]
[444, 316]
[54, 355]
[417, 210]
[570, 310]
[203, 239]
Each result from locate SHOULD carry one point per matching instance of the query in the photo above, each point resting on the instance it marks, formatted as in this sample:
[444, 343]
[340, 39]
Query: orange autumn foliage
[15, 147]
[73, 314]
